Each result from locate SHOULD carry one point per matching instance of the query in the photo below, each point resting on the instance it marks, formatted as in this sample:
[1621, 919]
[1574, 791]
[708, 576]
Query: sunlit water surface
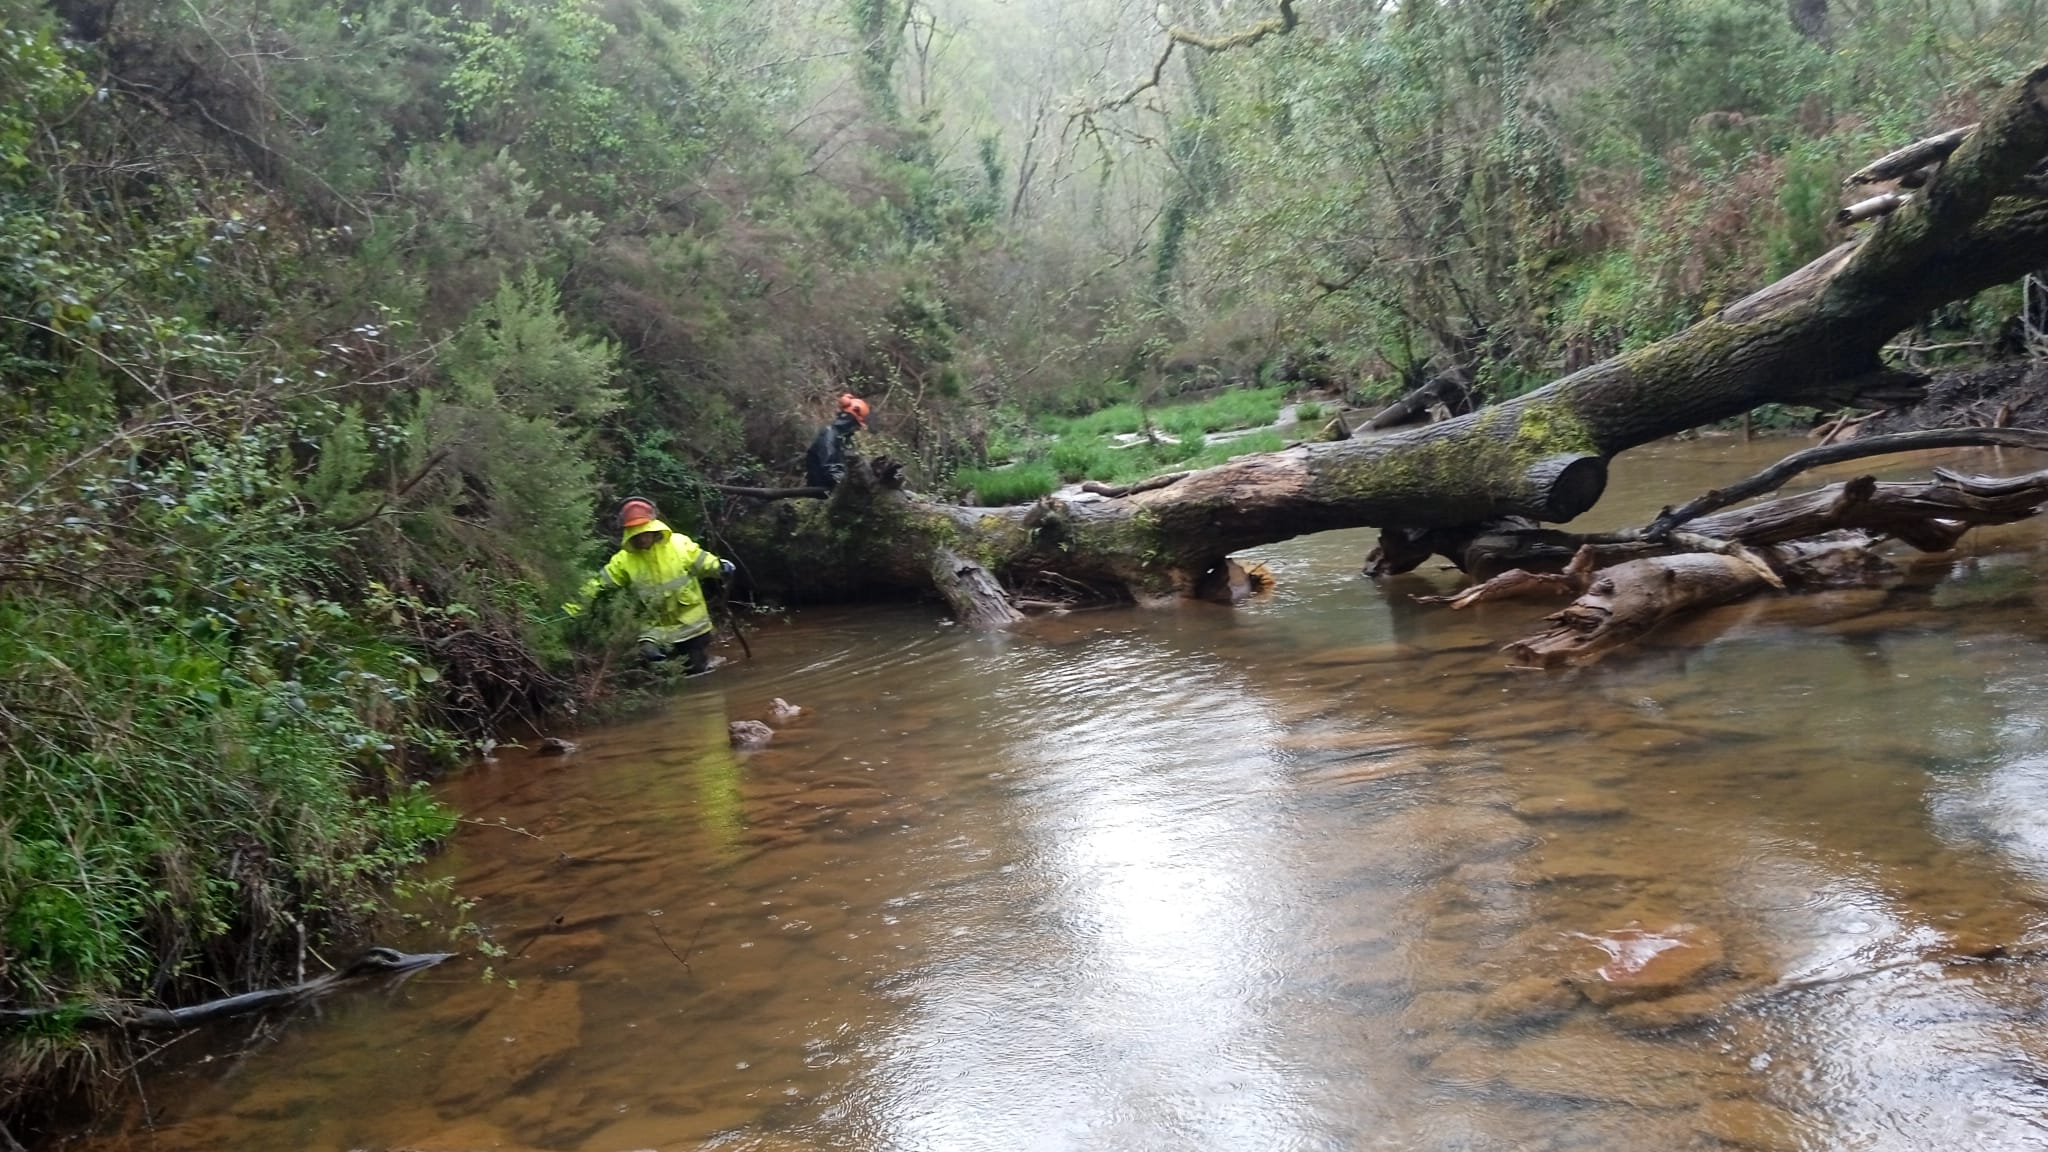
[1320, 872]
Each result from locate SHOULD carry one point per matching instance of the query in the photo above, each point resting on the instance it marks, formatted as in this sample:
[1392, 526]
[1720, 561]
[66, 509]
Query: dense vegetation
[330, 329]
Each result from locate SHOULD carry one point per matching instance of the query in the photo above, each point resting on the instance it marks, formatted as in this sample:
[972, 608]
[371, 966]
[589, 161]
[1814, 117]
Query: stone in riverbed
[1569, 806]
[1591, 1067]
[470, 1135]
[782, 711]
[1747, 1123]
[551, 949]
[1580, 868]
[750, 734]
[1641, 964]
[1439, 1011]
[1668, 1013]
[531, 1028]
[1530, 1000]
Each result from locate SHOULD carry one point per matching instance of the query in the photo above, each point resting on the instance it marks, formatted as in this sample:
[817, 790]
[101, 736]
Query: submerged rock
[1746, 1123]
[782, 711]
[1570, 806]
[750, 734]
[523, 1034]
[1669, 1013]
[466, 1135]
[1444, 1010]
[1641, 964]
[1582, 1068]
[1528, 1001]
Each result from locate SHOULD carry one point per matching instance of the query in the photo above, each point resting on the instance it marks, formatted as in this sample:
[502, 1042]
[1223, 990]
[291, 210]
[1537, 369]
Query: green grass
[1081, 447]
[1018, 484]
[1248, 408]
[1114, 420]
[1267, 441]
[1244, 408]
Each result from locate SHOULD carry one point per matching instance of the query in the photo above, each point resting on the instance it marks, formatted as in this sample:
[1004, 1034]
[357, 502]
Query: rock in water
[782, 711]
[554, 746]
[1646, 965]
[750, 734]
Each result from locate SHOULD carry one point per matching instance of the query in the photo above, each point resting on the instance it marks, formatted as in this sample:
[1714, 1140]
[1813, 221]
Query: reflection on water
[1319, 873]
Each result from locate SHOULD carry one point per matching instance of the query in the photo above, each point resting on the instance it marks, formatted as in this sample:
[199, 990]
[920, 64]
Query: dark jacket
[825, 462]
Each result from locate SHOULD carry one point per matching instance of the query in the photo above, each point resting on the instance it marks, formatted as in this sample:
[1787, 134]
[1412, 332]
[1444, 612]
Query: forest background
[330, 331]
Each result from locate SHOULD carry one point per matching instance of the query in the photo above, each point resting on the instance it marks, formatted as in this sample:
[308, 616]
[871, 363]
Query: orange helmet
[636, 511]
[855, 407]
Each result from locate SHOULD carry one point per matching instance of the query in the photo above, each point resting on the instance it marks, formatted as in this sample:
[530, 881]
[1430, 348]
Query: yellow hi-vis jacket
[664, 578]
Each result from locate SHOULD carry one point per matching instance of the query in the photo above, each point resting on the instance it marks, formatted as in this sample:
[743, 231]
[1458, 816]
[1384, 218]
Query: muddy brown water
[1317, 873]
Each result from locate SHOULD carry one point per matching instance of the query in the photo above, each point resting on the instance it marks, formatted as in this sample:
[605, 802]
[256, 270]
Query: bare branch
[1777, 475]
[1278, 25]
[1911, 158]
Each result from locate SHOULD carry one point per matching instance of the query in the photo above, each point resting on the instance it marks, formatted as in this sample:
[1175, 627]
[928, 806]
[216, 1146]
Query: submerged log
[376, 961]
[1625, 602]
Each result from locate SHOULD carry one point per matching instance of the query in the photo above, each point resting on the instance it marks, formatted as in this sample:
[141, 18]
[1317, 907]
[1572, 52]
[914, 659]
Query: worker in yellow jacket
[662, 568]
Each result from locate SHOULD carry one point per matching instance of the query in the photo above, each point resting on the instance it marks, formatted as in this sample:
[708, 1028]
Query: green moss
[1551, 428]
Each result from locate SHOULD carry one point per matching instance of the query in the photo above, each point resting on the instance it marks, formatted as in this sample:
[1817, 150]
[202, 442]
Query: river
[1320, 872]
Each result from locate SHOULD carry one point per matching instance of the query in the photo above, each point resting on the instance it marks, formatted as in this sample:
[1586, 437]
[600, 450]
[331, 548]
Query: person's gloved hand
[725, 569]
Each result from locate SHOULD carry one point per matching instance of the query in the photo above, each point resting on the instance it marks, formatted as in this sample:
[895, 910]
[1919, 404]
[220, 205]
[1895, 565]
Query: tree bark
[1812, 338]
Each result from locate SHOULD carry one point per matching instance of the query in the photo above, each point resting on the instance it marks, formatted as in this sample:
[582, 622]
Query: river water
[1320, 872]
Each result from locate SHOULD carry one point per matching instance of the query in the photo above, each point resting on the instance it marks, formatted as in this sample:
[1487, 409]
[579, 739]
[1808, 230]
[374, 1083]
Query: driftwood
[1097, 488]
[1911, 512]
[1882, 204]
[1815, 540]
[1777, 475]
[378, 961]
[1628, 600]
[1450, 390]
[1913, 158]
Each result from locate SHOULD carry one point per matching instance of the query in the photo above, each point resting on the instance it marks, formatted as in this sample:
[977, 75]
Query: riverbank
[2009, 393]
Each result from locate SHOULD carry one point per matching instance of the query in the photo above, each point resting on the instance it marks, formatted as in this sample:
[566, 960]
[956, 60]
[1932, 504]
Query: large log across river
[1813, 338]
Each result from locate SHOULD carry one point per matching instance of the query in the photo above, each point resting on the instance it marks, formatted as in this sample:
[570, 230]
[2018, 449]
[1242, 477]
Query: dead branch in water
[1819, 539]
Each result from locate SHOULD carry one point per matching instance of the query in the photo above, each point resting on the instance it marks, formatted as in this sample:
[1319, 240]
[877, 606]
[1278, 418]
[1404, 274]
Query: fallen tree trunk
[1813, 338]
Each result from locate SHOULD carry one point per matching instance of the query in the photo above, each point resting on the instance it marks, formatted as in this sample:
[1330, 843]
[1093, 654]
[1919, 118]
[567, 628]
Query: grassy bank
[1055, 449]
